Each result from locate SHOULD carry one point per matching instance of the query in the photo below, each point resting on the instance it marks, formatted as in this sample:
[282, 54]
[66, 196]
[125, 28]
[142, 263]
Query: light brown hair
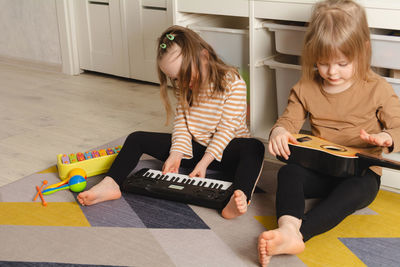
[192, 48]
[337, 26]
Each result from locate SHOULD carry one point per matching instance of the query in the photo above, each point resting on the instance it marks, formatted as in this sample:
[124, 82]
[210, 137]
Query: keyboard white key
[184, 179]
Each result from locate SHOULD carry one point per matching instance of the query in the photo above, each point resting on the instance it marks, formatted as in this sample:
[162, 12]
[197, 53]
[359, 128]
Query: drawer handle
[155, 8]
[98, 3]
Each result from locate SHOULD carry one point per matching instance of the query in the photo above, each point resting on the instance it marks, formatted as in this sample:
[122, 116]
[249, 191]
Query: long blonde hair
[337, 26]
[192, 47]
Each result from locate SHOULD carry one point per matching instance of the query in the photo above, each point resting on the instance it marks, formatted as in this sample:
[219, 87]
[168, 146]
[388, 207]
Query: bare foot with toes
[236, 206]
[107, 189]
[284, 240]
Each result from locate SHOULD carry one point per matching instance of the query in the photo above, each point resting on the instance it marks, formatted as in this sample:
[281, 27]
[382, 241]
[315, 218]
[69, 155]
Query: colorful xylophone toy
[93, 162]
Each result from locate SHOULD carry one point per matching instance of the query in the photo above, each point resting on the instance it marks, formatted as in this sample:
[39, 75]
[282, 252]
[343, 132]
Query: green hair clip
[170, 36]
[163, 46]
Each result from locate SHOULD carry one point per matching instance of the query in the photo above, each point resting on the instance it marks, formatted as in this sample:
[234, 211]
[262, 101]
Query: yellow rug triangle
[54, 214]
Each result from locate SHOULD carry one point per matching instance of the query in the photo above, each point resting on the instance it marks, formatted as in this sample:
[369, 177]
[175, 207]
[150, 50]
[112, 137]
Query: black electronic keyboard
[206, 192]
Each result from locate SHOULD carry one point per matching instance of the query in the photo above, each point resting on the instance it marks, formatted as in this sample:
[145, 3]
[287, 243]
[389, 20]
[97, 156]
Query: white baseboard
[391, 180]
[391, 189]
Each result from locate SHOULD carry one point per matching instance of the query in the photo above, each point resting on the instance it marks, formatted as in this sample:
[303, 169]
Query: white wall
[29, 30]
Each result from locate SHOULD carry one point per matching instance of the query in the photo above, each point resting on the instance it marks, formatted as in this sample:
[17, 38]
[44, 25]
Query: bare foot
[236, 206]
[107, 189]
[263, 257]
[284, 240]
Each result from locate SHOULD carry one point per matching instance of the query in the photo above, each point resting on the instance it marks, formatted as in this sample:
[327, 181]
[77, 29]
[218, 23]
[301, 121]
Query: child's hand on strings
[202, 165]
[278, 142]
[380, 139]
[172, 163]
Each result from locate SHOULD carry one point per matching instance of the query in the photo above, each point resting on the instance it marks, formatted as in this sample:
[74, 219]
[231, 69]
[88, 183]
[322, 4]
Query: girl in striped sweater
[210, 130]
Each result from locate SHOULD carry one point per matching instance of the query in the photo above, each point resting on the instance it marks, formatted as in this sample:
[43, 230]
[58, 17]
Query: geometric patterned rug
[143, 231]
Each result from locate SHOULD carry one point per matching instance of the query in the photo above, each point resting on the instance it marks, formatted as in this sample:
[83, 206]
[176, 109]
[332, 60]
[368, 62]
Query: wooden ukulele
[332, 159]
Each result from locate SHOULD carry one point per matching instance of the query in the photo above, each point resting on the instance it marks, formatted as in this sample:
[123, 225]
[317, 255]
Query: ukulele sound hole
[334, 148]
[303, 139]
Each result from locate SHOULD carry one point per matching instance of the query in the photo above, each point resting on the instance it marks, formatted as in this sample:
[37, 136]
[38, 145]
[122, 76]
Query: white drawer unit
[219, 7]
[385, 50]
[288, 38]
[289, 10]
[287, 74]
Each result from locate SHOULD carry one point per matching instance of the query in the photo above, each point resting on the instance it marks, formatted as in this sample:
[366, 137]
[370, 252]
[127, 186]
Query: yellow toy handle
[58, 184]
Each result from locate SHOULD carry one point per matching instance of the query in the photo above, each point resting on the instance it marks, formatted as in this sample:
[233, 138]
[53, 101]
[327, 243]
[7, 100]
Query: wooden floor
[44, 113]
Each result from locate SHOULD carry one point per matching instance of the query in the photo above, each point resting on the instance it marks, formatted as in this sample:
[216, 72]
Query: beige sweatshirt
[370, 105]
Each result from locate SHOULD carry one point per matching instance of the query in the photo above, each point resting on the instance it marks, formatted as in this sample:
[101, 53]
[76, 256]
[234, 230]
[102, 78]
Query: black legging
[340, 197]
[242, 159]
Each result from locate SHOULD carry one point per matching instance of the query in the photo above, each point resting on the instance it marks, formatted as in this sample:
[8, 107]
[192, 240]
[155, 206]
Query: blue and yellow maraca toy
[76, 183]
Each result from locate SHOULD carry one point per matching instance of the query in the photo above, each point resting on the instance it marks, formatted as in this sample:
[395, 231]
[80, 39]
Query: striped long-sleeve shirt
[213, 122]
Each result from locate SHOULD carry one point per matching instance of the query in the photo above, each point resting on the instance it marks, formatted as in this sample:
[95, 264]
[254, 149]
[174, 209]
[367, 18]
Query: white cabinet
[145, 21]
[102, 44]
[119, 37]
